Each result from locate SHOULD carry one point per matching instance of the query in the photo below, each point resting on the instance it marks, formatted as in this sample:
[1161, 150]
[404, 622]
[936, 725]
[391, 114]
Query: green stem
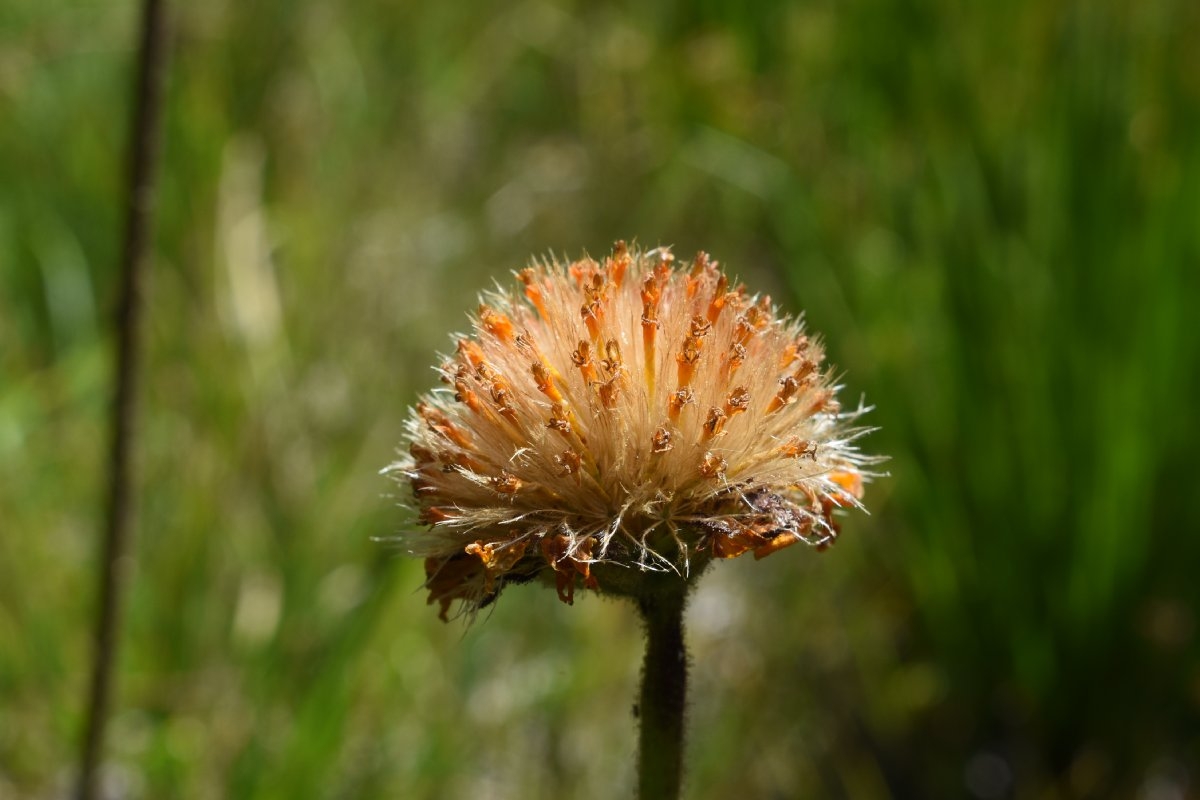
[664, 694]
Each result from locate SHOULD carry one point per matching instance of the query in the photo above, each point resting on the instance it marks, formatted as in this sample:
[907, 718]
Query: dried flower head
[635, 412]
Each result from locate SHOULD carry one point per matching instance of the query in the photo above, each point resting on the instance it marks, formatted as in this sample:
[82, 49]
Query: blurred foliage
[992, 210]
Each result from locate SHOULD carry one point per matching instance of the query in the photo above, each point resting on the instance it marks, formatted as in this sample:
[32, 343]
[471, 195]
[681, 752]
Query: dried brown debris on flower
[635, 410]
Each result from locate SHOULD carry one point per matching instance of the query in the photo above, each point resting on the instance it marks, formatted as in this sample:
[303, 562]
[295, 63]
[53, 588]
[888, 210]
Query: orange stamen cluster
[565, 438]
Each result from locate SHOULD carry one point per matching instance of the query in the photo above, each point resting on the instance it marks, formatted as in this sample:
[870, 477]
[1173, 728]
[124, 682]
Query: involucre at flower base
[613, 419]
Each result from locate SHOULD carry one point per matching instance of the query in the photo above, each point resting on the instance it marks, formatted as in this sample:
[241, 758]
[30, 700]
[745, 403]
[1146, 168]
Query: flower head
[635, 412]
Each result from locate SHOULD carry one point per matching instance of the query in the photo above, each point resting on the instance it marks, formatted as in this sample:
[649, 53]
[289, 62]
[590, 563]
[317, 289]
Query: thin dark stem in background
[664, 694]
[138, 208]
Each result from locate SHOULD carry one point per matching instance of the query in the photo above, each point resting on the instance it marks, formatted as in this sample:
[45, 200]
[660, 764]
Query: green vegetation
[991, 210]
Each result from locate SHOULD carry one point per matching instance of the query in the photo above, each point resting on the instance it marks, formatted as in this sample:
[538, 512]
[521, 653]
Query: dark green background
[991, 210]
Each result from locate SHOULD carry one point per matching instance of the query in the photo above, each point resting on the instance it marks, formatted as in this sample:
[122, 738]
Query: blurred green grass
[991, 210]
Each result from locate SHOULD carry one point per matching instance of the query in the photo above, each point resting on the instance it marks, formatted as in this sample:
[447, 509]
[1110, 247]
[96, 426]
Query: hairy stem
[113, 563]
[664, 694]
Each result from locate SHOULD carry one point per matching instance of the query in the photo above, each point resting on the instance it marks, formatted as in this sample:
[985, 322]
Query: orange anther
[609, 391]
[584, 272]
[750, 322]
[471, 351]
[678, 400]
[777, 543]
[787, 390]
[738, 401]
[464, 394]
[545, 385]
[533, 291]
[496, 561]
[733, 360]
[496, 323]
[805, 371]
[592, 312]
[822, 401]
[712, 465]
[612, 356]
[714, 423]
[440, 424]
[558, 420]
[718, 299]
[500, 393]
[582, 358]
[570, 462]
[660, 442]
[851, 483]
[618, 263]
[793, 351]
[555, 549]
[505, 483]
[796, 447]
[687, 357]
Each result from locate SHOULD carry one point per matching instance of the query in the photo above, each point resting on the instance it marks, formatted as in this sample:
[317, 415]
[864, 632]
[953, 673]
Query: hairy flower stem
[664, 694]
